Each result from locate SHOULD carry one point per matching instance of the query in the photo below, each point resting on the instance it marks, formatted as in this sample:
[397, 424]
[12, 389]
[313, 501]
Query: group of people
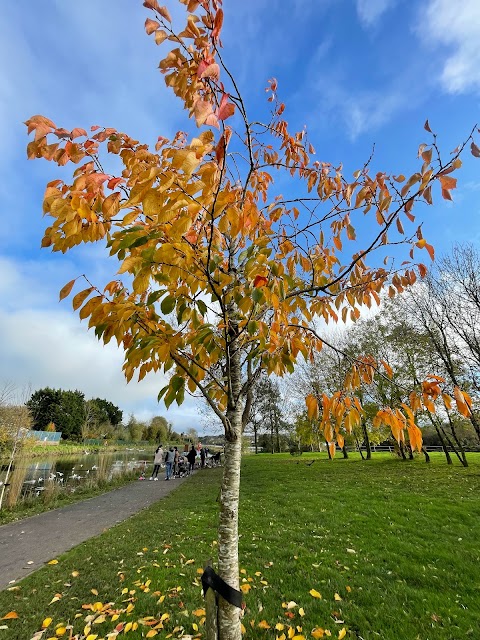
[175, 462]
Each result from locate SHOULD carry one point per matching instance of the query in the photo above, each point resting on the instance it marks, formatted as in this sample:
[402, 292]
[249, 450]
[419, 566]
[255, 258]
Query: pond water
[31, 477]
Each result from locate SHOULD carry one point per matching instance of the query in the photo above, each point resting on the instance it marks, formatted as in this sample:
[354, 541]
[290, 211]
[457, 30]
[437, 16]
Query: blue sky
[356, 72]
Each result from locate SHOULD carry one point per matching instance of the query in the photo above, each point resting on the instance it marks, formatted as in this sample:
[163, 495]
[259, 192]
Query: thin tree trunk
[366, 440]
[442, 441]
[228, 569]
[345, 452]
[359, 448]
[459, 444]
[425, 453]
[229, 626]
[255, 434]
[328, 450]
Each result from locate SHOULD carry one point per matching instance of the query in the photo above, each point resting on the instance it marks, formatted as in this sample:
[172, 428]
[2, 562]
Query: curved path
[28, 544]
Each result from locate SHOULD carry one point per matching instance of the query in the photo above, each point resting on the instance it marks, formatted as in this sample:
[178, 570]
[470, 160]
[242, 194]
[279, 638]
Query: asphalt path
[28, 544]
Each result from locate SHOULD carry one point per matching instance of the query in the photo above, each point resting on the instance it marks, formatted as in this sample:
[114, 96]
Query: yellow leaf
[314, 593]
[245, 587]
[94, 591]
[128, 626]
[61, 631]
[263, 625]
[64, 292]
[54, 599]
[56, 561]
[342, 633]
[46, 623]
[92, 636]
[11, 615]
[75, 574]
[151, 633]
[318, 633]
[301, 612]
[279, 626]
[312, 406]
[198, 612]
[337, 597]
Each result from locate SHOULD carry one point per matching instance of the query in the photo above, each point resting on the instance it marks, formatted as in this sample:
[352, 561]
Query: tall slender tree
[223, 273]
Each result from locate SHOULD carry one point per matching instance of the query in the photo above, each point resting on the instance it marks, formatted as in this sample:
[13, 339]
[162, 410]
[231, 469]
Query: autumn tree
[221, 274]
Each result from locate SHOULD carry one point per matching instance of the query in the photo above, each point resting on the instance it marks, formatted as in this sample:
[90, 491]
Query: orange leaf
[226, 109]
[312, 406]
[260, 281]
[65, 291]
[217, 24]
[475, 150]
[151, 26]
[11, 615]
[431, 251]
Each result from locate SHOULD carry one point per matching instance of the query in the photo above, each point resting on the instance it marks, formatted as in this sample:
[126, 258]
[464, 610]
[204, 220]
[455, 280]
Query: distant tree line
[79, 419]
[434, 328]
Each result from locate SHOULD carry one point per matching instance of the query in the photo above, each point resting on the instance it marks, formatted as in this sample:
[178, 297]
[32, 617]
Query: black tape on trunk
[211, 580]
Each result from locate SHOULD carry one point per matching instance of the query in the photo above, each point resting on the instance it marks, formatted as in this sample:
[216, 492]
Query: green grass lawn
[392, 547]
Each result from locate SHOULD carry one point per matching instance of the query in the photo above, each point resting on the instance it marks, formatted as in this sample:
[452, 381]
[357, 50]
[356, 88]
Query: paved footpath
[28, 544]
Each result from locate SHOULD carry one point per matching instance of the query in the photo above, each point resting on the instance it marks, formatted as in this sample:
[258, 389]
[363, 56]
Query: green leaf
[177, 382]
[202, 307]
[257, 295]
[154, 296]
[168, 305]
[170, 397]
[252, 327]
[180, 396]
[162, 392]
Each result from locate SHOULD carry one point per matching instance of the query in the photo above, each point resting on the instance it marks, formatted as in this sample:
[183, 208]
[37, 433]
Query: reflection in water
[32, 479]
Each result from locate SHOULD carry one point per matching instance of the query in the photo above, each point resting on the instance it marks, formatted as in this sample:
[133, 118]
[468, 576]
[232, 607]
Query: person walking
[169, 460]
[202, 457]
[176, 460]
[192, 454]
[157, 461]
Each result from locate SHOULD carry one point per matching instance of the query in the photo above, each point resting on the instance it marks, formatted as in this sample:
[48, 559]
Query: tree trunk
[328, 450]
[229, 626]
[425, 453]
[228, 569]
[255, 433]
[366, 440]
[345, 452]
[359, 447]
[459, 444]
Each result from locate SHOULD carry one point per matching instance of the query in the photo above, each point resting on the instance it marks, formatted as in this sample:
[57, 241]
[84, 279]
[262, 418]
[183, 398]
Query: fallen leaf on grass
[342, 633]
[46, 623]
[264, 625]
[53, 562]
[314, 593]
[337, 597]
[11, 615]
[318, 633]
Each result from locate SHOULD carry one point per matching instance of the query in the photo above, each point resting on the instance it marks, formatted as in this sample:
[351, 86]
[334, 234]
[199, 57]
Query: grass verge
[391, 547]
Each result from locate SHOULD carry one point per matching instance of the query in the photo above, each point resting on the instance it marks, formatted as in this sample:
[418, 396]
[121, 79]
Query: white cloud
[44, 344]
[455, 26]
[370, 11]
